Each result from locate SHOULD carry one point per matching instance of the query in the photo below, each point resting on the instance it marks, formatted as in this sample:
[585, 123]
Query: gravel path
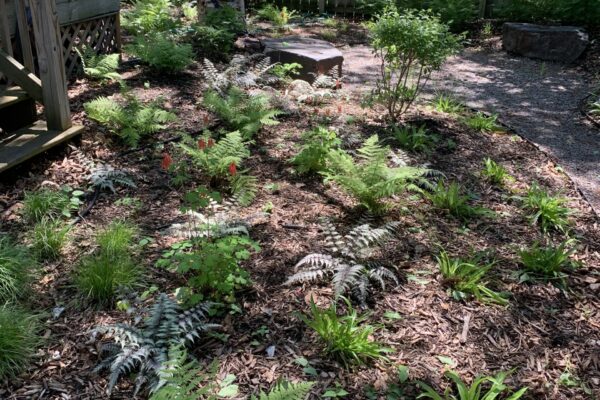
[539, 100]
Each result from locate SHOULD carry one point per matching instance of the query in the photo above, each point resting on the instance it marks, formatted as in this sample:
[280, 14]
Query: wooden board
[28, 142]
[12, 96]
[69, 11]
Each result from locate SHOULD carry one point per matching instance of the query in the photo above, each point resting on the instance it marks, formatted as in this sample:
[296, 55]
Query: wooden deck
[30, 141]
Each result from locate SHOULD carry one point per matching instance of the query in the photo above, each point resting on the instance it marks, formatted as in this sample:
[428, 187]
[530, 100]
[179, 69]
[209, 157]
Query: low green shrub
[49, 237]
[162, 53]
[225, 18]
[456, 13]
[547, 263]
[317, 144]
[16, 269]
[149, 16]
[549, 11]
[18, 340]
[346, 338]
[212, 43]
[280, 17]
[414, 139]
[549, 212]
[466, 279]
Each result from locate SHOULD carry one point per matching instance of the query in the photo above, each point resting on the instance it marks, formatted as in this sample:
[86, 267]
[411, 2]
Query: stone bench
[315, 56]
[551, 43]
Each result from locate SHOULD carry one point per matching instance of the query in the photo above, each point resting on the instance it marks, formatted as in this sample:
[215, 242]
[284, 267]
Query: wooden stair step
[11, 96]
[30, 141]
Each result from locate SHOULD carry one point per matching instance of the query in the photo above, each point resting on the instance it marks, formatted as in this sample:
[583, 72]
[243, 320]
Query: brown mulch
[542, 334]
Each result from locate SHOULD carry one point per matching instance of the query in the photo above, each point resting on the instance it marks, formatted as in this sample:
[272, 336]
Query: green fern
[240, 111]
[286, 391]
[100, 67]
[162, 53]
[131, 120]
[146, 349]
[348, 260]
[217, 161]
[370, 180]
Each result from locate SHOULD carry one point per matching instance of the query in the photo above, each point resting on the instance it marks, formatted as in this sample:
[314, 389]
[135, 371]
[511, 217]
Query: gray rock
[315, 56]
[551, 43]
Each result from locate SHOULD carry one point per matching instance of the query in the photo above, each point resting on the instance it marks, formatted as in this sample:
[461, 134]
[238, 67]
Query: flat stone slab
[315, 56]
[551, 43]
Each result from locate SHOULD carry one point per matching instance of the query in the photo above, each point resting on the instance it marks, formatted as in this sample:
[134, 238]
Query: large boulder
[315, 56]
[552, 43]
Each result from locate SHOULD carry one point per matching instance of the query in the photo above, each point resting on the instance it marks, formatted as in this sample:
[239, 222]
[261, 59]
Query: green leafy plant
[466, 278]
[131, 120]
[286, 391]
[346, 338]
[162, 53]
[106, 177]
[413, 138]
[222, 160]
[547, 263]
[410, 45]
[18, 340]
[315, 150]
[211, 42]
[456, 13]
[16, 270]
[549, 212]
[101, 67]
[595, 108]
[145, 349]
[564, 11]
[46, 203]
[286, 71]
[495, 173]
[476, 391]
[447, 104]
[482, 123]
[278, 16]
[456, 204]
[49, 237]
[370, 180]
[226, 18]
[117, 239]
[348, 260]
[147, 16]
[240, 111]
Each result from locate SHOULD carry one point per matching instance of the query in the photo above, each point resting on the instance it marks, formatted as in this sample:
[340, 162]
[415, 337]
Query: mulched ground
[542, 334]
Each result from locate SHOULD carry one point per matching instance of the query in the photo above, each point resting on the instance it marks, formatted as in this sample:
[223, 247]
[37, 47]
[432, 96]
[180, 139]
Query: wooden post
[51, 64]
[482, 8]
[201, 10]
[321, 6]
[24, 35]
[242, 5]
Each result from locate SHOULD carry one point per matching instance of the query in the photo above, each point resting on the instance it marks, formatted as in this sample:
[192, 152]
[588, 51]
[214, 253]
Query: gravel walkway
[539, 100]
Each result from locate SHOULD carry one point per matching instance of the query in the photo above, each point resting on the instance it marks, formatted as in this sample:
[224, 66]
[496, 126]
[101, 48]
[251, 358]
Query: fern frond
[105, 177]
[306, 276]
[345, 277]
[286, 391]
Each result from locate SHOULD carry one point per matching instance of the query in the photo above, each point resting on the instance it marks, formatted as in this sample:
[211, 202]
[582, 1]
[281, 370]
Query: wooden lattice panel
[101, 34]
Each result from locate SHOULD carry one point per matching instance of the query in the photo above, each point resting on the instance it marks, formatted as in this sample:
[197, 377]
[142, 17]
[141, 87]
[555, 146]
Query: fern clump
[317, 145]
[101, 67]
[221, 161]
[106, 177]
[240, 111]
[286, 391]
[16, 268]
[147, 16]
[370, 180]
[18, 340]
[348, 260]
[145, 349]
[162, 53]
[131, 120]
[241, 72]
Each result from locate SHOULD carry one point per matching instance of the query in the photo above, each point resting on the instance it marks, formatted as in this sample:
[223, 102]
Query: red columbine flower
[205, 120]
[211, 142]
[338, 84]
[232, 169]
[201, 144]
[166, 161]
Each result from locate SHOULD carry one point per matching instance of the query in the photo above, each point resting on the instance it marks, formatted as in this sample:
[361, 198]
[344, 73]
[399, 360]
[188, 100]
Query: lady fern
[99, 66]
[370, 180]
[286, 391]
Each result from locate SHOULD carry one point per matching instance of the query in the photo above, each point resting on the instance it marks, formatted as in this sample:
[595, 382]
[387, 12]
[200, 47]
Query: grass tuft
[18, 340]
[49, 237]
[45, 203]
[116, 240]
[549, 212]
[16, 266]
[547, 263]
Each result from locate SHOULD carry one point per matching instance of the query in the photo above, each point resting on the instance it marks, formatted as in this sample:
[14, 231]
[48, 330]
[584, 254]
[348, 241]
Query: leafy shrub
[371, 180]
[447, 104]
[278, 16]
[465, 278]
[456, 204]
[410, 45]
[456, 13]
[16, 268]
[565, 11]
[482, 123]
[145, 349]
[226, 18]
[286, 71]
[162, 53]
[547, 263]
[18, 340]
[116, 240]
[413, 138]
[101, 276]
[99, 66]
[240, 111]
[49, 237]
[476, 391]
[317, 145]
[210, 42]
[220, 160]
[547, 211]
[286, 391]
[148, 16]
[45, 203]
[346, 338]
[348, 261]
[131, 120]
[495, 173]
